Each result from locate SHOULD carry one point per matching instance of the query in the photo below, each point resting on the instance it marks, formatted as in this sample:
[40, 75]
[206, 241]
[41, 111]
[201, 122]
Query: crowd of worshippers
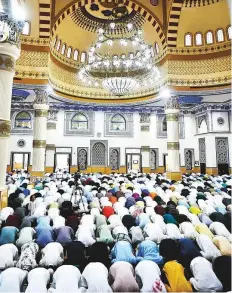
[116, 233]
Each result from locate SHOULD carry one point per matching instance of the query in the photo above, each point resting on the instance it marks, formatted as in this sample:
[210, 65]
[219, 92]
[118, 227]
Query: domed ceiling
[62, 32]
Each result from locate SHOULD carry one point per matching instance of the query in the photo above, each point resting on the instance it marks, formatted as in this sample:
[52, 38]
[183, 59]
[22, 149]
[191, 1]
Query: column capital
[10, 29]
[172, 103]
[41, 97]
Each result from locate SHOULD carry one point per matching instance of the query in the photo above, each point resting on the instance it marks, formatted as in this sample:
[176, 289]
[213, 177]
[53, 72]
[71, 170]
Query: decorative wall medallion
[99, 134]
[21, 143]
[41, 113]
[172, 117]
[173, 145]
[41, 97]
[220, 121]
[39, 144]
[145, 117]
[4, 128]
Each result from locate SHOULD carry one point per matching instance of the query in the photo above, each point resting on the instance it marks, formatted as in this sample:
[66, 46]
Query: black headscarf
[222, 269]
[99, 253]
[169, 250]
[76, 255]
[128, 221]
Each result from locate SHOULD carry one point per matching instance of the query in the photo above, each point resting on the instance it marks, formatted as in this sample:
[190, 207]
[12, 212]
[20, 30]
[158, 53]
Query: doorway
[62, 162]
[165, 156]
[20, 161]
[133, 162]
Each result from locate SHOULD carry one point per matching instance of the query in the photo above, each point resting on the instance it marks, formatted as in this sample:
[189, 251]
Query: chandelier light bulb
[98, 45]
[96, 84]
[101, 38]
[140, 32]
[101, 31]
[110, 42]
[112, 25]
[129, 26]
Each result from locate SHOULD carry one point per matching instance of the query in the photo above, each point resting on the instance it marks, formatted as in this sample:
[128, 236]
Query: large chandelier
[120, 61]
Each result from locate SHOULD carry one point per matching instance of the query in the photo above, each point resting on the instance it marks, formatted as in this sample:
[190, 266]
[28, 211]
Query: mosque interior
[114, 86]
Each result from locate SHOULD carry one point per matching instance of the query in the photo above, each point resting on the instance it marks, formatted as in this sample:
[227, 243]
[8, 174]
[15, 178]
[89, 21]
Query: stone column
[172, 115]
[40, 133]
[51, 141]
[9, 53]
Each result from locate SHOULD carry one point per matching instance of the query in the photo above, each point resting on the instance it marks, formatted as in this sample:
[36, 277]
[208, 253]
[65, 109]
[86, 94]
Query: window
[118, 123]
[198, 39]
[79, 121]
[188, 40]
[75, 55]
[220, 35]
[164, 124]
[209, 38]
[23, 120]
[229, 32]
[54, 42]
[63, 49]
[83, 57]
[69, 52]
[26, 28]
[156, 47]
[58, 45]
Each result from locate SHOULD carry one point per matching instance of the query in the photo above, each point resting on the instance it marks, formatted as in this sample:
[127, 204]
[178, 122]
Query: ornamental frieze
[39, 144]
[173, 145]
[172, 117]
[41, 113]
[7, 63]
[5, 128]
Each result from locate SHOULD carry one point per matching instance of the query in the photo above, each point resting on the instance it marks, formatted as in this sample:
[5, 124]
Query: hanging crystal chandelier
[120, 61]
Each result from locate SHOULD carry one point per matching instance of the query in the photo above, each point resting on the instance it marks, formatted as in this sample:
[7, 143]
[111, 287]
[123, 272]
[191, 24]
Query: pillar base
[174, 176]
[3, 198]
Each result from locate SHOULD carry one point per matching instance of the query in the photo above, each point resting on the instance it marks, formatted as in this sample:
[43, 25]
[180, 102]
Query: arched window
[156, 47]
[58, 45]
[220, 35]
[118, 123]
[209, 38]
[83, 57]
[26, 28]
[69, 52]
[188, 40]
[63, 49]
[23, 120]
[79, 121]
[164, 124]
[75, 55]
[54, 42]
[229, 32]
[198, 39]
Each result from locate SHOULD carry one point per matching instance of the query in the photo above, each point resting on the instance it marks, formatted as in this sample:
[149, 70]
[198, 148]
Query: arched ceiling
[166, 22]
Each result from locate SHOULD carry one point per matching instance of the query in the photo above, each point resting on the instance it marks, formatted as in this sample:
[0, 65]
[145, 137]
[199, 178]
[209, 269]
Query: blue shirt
[8, 235]
[44, 235]
[43, 222]
[122, 251]
[148, 250]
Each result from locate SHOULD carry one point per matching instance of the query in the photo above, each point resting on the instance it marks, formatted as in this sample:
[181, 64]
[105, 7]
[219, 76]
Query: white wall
[139, 139]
